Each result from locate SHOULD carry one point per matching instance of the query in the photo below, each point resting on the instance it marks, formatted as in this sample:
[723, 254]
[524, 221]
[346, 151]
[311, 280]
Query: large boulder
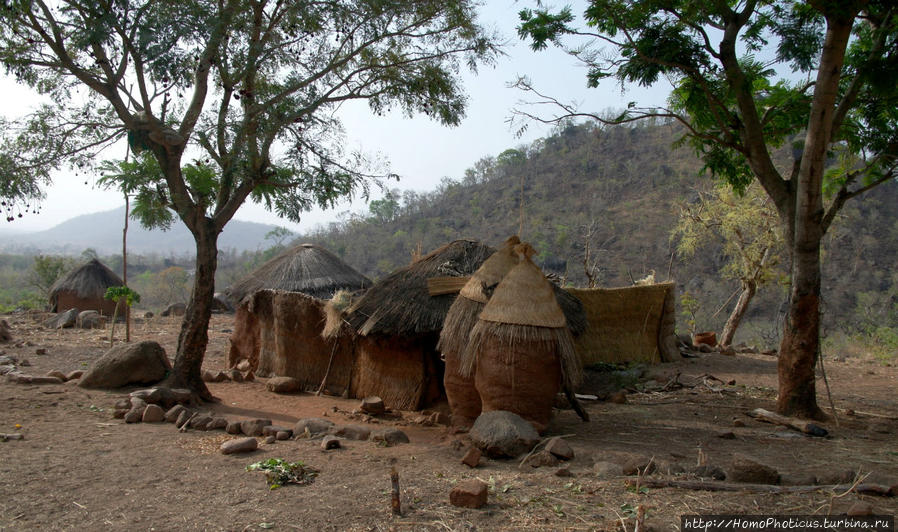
[221, 303]
[141, 363]
[90, 319]
[5, 332]
[175, 309]
[63, 320]
[502, 434]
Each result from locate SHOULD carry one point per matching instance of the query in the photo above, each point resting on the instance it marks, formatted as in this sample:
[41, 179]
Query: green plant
[116, 294]
[690, 306]
[279, 472]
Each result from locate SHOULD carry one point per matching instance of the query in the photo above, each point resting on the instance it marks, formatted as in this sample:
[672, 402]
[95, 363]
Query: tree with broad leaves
[726, 60]
[229, 100]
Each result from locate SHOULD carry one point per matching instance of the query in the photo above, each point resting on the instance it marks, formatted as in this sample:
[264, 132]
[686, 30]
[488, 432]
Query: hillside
[624, 183]
[102, 231]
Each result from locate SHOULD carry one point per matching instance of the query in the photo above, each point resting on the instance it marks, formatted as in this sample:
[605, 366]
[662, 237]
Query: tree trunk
[194, 330]
[801, 335]
[749, 289]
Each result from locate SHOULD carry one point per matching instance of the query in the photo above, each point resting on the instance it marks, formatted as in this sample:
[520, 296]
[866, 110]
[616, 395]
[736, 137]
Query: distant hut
[280, 317]
[84, 288]
[399, 322]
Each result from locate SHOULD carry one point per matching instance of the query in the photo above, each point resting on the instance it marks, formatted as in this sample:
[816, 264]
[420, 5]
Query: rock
[151, 395]
[503, 434]
[330, 442]
[234, 375]
[281, 384]
[269, 440]
[40, 351]
[312, 427]
[119, 413]
[221, 303]
[619, 397]
[242, 445]
[153, 414]
[390, 437]
[860, 509]
[58, 374]
[472, 457]
[353, 432]
[469, 494]
[745, 469]
[140, 363]
[63, 320]
[250, 376]
[90, 319]
[638, 465]
[798, 479]
[541, 458]
[243, 365]
[175, 309]
[5, 332]
[738, 423]
[137, 402]
[39, 379]
[25, 363]
[607, 470]
[838, 476]
[8, 360]
[728, 351]
[373, 405]
[283, 435]
[148, 315]
[10, 437]
[217, 423]
[709, 471]
[272, 430]
[7, 369]
[728, 435]
[234, 427]
[560, 448]
[213, 376]
[253, 427]
[134, 415]
[184, 417]
[172, 414]
[200, 422]
[74, 375]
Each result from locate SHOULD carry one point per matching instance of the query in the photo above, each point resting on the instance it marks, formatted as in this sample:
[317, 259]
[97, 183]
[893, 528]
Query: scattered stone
[330, 442]
[564, 472]
[234, 427]
[619, 397]
[134, 415]
[745, 469]
[472, 457]
[39, 379]
[709, 471]
[353, 432]
[390, 437]
[243, 365]
[704, 348]
[173, 413]
[560, 448]
[860, 509]
[728, 351]
[253, 427]
[119, 413]
[469, 494]
[607, 470]
[283, 435]
[184, 417]
[9, 437]
[25, 363]
[280, 384]
[503, 434]
[74, 375]
[140, 363]
[217, 423]
[242, 445]
[738, 423]
[638, 465]
[830, 477]
[150, 395]
[90, 319]
[137, 402]
[7, 369]
[269, 440]
[200, 422]
[153, 414]
[234, 375]
[728, 435]
[5, 332]
[313, 426]
[214, 376]
[175, 309]
[148, 315]
[40, 351]
[542, 458]
[63, 320]
[8, 360]
[798, 479]
[373, 405]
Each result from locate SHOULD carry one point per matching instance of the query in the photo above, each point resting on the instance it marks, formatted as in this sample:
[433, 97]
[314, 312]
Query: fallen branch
[864, 489]
[797, 424]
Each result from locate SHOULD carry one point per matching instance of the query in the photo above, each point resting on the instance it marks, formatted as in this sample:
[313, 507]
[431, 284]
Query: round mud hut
[84, 288]
[281, 315]
[398, 323]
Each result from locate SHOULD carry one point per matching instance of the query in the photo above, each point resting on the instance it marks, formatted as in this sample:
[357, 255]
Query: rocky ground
[77, 466]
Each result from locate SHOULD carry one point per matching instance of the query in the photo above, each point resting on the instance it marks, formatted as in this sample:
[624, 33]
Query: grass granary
[84, 288]
[281, 315]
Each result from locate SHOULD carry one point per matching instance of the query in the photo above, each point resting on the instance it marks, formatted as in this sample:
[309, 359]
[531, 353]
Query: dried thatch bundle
[306, 268]
[89, 281]
[521, 347]
[401, 305]
[464, 402]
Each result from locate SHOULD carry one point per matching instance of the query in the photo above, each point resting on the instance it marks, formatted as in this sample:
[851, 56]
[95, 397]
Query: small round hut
[398, 324]
[84, 288]
[281, 314]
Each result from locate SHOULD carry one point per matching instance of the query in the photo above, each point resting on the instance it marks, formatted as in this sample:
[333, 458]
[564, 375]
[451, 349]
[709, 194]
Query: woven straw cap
[492, 271]
[525, 296]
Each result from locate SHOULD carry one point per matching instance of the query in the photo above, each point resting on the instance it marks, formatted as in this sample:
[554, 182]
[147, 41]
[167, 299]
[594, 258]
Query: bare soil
[78, 468]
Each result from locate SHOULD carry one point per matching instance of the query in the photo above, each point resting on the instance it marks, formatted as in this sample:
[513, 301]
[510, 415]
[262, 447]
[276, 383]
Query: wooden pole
[394, 502]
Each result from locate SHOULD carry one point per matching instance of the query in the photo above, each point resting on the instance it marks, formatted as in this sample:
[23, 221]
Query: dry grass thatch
[400, 304]
[307, 268]
[89, 281]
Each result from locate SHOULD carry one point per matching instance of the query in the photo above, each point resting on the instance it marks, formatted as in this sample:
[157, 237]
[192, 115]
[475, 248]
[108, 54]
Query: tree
[747, 227]
[230, 100]
[839, 107]
[118, 294]
[46, 270]
[386, 209]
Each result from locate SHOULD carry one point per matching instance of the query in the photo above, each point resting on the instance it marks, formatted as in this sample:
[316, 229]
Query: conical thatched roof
[400, 304]
[306, 268]
[89, 281]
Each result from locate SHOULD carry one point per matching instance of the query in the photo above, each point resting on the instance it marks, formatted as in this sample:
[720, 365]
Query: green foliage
[279, 472]
[690, 308]
[119, 293]
[46, 270]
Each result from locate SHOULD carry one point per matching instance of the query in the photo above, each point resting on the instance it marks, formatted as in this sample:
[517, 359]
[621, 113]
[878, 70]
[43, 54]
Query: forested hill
[619, 187]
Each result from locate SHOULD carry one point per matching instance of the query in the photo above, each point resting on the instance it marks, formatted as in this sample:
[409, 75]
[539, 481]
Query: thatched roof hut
[306, 268]
[84, 288]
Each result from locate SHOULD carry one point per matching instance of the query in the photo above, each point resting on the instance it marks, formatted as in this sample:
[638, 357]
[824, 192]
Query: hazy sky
[419, 150]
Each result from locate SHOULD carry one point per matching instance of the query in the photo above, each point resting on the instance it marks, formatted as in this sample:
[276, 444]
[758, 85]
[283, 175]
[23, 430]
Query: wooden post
[395, 503]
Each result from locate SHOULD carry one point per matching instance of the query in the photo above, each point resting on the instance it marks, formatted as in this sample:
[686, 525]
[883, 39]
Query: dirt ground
[78, 468]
